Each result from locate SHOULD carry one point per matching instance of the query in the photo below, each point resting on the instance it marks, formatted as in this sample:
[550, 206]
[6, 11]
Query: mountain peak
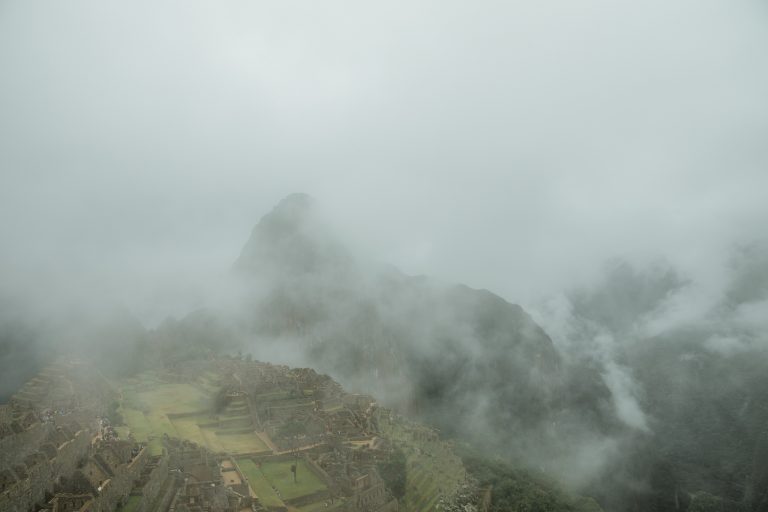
[298, 202]
[291, 239]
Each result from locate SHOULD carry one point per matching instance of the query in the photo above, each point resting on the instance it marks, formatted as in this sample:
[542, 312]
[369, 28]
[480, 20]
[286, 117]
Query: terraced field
[432, 469]
[422, 487]
[150, 407]
[188, 428]
[236, 443]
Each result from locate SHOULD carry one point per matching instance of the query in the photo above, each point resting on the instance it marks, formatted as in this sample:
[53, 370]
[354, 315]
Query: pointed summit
[293, 208]
[291, 240]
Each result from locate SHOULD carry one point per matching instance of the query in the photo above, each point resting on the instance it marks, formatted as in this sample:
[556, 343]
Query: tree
[393, 471]
[221, 400]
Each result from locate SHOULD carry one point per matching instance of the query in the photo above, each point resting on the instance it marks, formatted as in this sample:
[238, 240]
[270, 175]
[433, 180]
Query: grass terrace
[432, 469]
[272, 396]
[235, 443]
[149, 407]
[278, 474]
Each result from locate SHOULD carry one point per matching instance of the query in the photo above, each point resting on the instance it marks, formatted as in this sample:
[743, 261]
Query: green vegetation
[132, 505]
[188, 428]
[515, 489]
[320, 506]
[393, 471]
[705, 502]
[259, 484]
[431, 468]
[113, 414]
[161, 424]
[149, 405]
[138, 424]
[272, 396]
[174, 398]
[235, 443]
[278, 474]
[291, 428]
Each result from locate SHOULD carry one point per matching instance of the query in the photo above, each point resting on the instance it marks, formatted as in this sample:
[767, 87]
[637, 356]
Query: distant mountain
[21, 354]
[463, 359]
[480, 368]
[635, 410]
[291, 240]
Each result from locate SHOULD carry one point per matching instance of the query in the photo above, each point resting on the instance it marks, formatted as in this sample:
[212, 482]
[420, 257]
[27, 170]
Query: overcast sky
[509, 145]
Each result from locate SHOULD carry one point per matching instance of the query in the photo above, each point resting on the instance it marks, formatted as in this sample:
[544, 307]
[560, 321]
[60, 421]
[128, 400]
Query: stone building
[155, 487]
[109, 473]
[36, 459]
[201, 486]
[370, 493]
[65, 502]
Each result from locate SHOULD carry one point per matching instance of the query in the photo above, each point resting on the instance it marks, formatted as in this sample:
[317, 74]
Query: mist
[510, 146]
[601, 164]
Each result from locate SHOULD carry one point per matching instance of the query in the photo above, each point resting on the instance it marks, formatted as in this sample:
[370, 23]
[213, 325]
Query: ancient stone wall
[30, 490]
[71, 452]
[39, 472]
[319, 472]
[120, 485]
[391, 506]
[16, 447]
[155, 479]
[167, 493]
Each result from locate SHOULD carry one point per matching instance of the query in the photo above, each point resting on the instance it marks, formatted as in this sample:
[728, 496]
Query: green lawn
[161, 424]
[138, 424]
[155, 446]
[147, 402]
[174, 398]
[132, 504]
[235, 443]
[188, 428]
[319, 506]
[279, 474]
[260, 486]
[152, 425]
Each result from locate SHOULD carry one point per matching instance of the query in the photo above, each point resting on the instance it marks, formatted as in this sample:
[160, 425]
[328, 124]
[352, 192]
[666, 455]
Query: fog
[513, 146]
[603, 164]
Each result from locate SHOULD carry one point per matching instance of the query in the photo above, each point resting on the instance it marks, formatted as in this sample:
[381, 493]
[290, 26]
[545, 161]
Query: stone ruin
[59, 453]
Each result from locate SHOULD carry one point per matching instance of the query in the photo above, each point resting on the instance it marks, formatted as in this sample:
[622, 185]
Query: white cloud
[509, 145]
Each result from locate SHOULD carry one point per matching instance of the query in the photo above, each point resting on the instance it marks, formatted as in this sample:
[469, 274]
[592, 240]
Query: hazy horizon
[509, 146]
[602, 164]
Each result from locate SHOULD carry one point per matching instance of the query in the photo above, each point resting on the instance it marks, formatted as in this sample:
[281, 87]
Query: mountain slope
[463, 359]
